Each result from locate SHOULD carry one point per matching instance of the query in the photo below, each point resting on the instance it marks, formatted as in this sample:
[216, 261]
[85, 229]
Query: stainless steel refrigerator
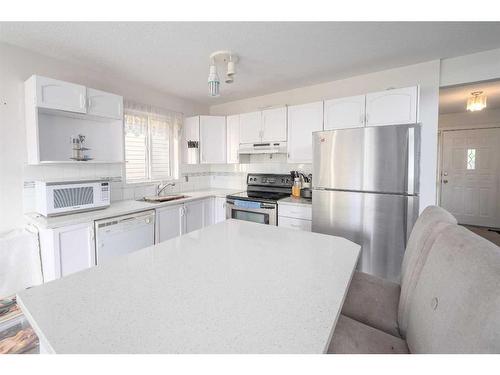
[365, 188]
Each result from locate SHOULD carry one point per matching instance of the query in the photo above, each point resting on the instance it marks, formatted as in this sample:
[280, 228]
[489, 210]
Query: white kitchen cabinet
[295, 216]
[56, 111]
[208, 212]
[104, 104]
[169, 222]
[251, 127]
[219, 209]
[194, 216]
[173, 221]
[66, 250]
[213, 139]
[233, 139]
[392, 107]
[191, 140]
[268, 125]
[54, 94]
[294, 223]
[274, 124]
[303, 120]
[345, 112]
[298, 211]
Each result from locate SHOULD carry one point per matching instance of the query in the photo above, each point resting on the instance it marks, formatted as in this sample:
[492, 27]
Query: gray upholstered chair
[453, 307]
[383, 304]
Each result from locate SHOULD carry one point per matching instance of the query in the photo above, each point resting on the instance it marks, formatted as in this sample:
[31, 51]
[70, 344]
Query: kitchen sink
[162, 198]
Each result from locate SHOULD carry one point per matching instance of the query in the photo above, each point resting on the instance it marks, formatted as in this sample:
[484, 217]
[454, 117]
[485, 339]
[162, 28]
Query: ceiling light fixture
[476, 102]
[222, 57]
[213, 81]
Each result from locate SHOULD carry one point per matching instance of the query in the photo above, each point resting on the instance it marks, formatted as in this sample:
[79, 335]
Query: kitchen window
[151, 143]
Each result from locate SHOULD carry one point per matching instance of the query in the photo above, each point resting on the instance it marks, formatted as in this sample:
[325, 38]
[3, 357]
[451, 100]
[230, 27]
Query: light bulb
[213, 82]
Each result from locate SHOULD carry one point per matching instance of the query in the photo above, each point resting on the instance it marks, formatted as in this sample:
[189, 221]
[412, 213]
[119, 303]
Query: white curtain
[160, 131]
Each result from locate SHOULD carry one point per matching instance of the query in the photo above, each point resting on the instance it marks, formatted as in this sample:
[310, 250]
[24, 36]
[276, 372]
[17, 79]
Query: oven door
[265, 213]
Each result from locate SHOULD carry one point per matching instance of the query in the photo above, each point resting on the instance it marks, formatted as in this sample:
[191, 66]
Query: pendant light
[213, 81]
[476, 102]
[229, 60]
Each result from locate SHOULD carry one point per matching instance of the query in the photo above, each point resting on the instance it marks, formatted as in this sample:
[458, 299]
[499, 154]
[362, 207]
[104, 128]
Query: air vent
[70, 197]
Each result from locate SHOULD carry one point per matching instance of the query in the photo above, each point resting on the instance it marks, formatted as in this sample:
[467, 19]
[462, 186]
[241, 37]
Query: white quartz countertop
[119, 208]
[233, 287]
[296, 201]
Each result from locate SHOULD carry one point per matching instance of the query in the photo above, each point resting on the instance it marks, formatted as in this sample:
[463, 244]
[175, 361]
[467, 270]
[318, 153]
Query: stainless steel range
[259, 202]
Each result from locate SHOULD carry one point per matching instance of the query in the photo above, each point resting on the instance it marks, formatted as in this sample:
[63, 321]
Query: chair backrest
[455, 307]
[422, 237]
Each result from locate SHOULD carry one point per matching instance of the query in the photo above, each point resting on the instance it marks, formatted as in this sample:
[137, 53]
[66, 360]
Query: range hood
[263, 148]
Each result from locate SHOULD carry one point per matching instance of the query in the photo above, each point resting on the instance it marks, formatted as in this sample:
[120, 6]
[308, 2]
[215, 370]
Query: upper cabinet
[392, 107]
[274, 124]
[233, 139]
[303, 120]
[251, 127]
[57, 113]
[191, 140]
[345, 112]
[268, 125]
[104, 104]
[54, 94]
[213, 139]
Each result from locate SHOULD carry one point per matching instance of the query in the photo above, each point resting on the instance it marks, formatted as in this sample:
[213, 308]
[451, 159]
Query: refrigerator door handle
[410, 167]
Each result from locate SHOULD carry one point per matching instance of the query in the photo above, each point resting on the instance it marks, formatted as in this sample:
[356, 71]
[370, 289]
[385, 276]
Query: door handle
[445, 181]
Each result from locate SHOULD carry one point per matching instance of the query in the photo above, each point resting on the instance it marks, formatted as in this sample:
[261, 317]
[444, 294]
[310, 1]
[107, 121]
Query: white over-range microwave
[57, 198]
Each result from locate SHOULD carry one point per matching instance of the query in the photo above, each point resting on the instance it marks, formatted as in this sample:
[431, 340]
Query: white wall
[482, 66]
[426, 75]
[16, 65]
[487, 118]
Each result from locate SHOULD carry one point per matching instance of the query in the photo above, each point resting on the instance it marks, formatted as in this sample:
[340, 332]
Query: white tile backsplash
[199, 177]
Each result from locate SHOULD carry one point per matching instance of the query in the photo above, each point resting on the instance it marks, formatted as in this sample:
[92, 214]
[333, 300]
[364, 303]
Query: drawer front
[296, 211]
[288, 222]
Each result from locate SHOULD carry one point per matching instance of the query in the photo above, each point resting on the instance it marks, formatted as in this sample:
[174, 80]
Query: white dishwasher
[124, 234]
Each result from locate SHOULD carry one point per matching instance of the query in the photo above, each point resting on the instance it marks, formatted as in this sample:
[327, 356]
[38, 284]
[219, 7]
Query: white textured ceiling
[454, 99]
[274, 56]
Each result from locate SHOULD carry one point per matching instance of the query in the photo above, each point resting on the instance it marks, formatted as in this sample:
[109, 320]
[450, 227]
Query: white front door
[470, 176]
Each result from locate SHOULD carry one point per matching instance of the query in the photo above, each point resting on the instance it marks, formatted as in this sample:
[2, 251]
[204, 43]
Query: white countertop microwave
[63, 197]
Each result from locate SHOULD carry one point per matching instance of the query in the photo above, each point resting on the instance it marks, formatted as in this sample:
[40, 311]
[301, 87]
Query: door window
[256, 217]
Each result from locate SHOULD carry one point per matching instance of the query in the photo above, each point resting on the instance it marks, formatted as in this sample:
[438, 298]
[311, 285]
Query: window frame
[173, 152]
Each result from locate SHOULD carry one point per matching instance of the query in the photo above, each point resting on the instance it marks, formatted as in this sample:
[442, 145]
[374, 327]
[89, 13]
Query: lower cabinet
[169, 222]
[194, 216]
[67, 250]
[173, 221]
[295, 216]
[71, 248]
[219, 209]
[291, 222]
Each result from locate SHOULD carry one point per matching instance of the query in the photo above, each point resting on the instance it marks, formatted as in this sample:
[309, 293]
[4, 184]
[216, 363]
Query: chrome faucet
[161, 187]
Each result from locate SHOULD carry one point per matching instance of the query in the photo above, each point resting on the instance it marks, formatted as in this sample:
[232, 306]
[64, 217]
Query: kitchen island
[233, 287]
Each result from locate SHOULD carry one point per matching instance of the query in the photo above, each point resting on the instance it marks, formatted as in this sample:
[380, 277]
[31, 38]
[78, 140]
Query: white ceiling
[274, 56]
[454, 99]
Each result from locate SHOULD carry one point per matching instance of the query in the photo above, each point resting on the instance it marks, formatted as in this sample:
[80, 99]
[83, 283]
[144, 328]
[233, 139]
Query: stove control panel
[279, 180]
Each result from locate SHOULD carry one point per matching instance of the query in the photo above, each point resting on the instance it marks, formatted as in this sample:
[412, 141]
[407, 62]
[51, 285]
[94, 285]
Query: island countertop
[233, 287]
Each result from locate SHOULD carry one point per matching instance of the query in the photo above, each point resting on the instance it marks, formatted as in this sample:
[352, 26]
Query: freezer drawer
[380, 223]
[377, 159]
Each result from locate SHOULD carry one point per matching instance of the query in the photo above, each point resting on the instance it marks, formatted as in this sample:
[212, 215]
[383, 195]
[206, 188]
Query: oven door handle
[268, 206]
[265, 206]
